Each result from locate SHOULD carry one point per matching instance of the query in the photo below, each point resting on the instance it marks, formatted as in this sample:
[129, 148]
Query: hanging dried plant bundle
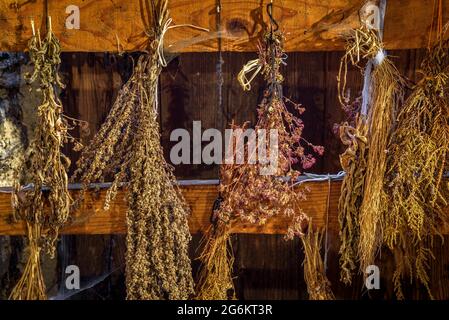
[385, 94]
[215, 278]
[353, 162]
[215, 281]
[249, 194]
[418, 160]
[31, 285]
[318, 286]
[44, 213]
[353, 134]
[128, 146]
[255, 197]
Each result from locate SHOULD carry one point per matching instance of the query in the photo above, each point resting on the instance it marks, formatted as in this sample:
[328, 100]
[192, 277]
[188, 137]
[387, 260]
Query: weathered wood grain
[309, 25]
[92, 219]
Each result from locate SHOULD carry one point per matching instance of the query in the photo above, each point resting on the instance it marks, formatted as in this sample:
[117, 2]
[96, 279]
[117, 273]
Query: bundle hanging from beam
[128, 147]
[46, 166]
[363, 198]
[418, 159]
[251, 191]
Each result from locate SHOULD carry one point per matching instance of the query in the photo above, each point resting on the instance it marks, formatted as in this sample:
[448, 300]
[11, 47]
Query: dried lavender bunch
[248, 195]
[46, 167]
[418, 159]
[128, 147]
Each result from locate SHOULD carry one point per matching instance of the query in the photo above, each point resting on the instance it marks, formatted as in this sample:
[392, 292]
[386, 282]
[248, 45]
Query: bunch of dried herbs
[353, 162]
[249, 195]
[44, 212]
[318, 286]
[363, 199]
[418, 159]
[128, 147]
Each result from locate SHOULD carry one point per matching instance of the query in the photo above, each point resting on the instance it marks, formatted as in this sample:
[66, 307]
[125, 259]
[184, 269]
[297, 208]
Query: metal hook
[272, 19]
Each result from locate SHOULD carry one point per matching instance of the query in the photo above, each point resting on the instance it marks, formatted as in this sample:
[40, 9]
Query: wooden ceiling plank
[309, 25]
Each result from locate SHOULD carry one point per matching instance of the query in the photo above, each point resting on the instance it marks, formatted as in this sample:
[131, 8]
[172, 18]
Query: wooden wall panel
[266, 265]
[189, 93]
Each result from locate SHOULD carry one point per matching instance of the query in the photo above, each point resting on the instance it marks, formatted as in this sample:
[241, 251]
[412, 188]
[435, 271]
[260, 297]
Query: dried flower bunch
[318, 286]
[44, 212]
[254, 197]
[363, 199]
[418, 159]
[248, 195]
[128, 147]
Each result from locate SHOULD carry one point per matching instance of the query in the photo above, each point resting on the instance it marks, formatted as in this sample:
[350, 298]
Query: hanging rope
[219, 68]
[311, 177]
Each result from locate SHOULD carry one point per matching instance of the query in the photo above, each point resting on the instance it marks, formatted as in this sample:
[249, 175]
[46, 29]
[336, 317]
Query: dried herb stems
[318, 286]
[248, 195]
[215, 278]
[353, 162]
[46, 167]
[128, 147]
[418, 159]
[363, 199]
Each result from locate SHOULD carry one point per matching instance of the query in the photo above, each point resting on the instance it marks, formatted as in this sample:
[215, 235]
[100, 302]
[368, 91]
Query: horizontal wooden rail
[91, 218]
[309, 25]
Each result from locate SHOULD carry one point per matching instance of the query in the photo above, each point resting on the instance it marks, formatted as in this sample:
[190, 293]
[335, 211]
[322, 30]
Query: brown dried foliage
[318, 286]
[44, 212]
[353, 162]
[250, 196]
[128, 147]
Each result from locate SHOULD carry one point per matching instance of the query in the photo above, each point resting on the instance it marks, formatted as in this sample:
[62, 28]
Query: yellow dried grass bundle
[318, 286]
[385, 95]
[418, 159]
[215, 279]
[353, 162]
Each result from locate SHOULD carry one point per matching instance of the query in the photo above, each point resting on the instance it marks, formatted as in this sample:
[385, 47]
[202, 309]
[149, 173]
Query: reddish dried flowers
[254, 197]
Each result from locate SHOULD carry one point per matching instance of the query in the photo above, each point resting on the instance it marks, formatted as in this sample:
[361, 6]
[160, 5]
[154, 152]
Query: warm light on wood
[92, 219]
[309, 25]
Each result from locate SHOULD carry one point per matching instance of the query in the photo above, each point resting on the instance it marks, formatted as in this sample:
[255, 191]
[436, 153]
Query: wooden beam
[93, 219]
[309, 25]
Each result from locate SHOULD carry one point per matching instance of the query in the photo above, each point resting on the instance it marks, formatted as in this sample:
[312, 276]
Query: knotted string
[160, 49]
[251, 66]
[167, 26]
